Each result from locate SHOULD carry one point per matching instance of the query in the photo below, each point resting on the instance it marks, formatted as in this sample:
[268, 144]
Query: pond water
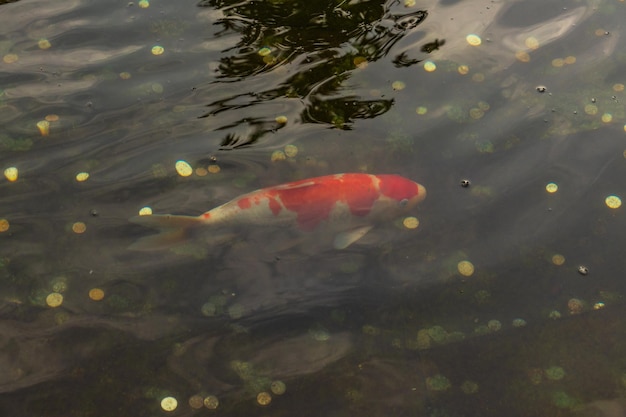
[507, 299]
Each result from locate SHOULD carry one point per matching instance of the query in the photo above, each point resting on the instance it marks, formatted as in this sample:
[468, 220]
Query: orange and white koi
[348, 205]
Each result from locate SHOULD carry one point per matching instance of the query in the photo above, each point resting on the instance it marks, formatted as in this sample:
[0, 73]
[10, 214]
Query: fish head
[399, 195]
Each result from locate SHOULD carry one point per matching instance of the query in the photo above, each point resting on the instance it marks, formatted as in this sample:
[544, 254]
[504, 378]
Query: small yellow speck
[531, 42]
[4, 225]
[619, 87]
[10, 58]
[463, 69]
[600, 32]
[409, 3]
[157, 50]
[476, 113]
[410, 222]
[613, 201]
[429, 66]
[265, 51]
[558, 62]
[183, 168]
[398, 85]
[196, 402]
[11, 174]
[591, 109]
[552, 187]
[278, 387]
[278, 156]
[145, 211]
[598, 306]
[44, 127]
[144, 4]
[522, 56]
[169, 403]
[607, 117]
[214, 169]
[281, 119]
[360, 62]
[96, 294]
[421, 110]
[478, 77]
[466, 268]
[54, 299]
[211, 402]
[44, 43]
[291, 151]
[263, 398]
[473, 40]
[79, 227]
[52, 118]
[558, 259]
[201, 172]
[569, 60]
[125, 75]
[82, 176]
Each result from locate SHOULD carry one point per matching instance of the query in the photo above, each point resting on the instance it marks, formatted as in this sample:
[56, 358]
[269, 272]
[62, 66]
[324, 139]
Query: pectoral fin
[347, 238]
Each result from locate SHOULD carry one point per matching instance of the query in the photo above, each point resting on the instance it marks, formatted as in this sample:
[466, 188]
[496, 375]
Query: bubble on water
[157, 50]
[183, 168]
[54, 299]
[169, 403]
[465, 268]
[473, 40]
[11, 174]
[613, 201]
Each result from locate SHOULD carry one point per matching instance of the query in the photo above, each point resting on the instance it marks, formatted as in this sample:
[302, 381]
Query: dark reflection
[326, 40]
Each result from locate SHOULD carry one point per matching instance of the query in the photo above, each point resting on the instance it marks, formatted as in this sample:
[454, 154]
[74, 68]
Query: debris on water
[183, 168]
[398, 85]
[79, 227]
[169, 403]
[465, 183]
[44, 44]
[278, 387]
[463, 69]
[54, 299]
[291, 151]
[44, 127]
[552, 187]
[522, 56]
[541, 88]
[558, 259]
[575, 306]
[473, 40]
[465, 268]
[96, 294]
[281, 119]
[264, 398]
[11, 174]
[613, 201]
[583, 270]
[555, 373]
[82, 176]
[411, 222]
[278, 155]
[421, 110]
[599, 305]
[211, 402]
[438, 383]
[144, 4]
[10, 58]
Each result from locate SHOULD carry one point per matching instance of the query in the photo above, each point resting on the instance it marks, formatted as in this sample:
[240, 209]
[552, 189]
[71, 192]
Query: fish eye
[404, 202]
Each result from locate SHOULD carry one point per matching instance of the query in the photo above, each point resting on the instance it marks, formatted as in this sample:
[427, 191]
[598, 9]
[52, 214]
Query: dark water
[386, 327]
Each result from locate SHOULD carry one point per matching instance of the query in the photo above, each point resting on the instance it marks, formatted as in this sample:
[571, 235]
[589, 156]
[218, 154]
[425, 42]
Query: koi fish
[348, 205]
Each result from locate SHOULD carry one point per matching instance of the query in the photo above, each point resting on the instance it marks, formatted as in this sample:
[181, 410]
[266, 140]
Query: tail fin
[173, 230]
